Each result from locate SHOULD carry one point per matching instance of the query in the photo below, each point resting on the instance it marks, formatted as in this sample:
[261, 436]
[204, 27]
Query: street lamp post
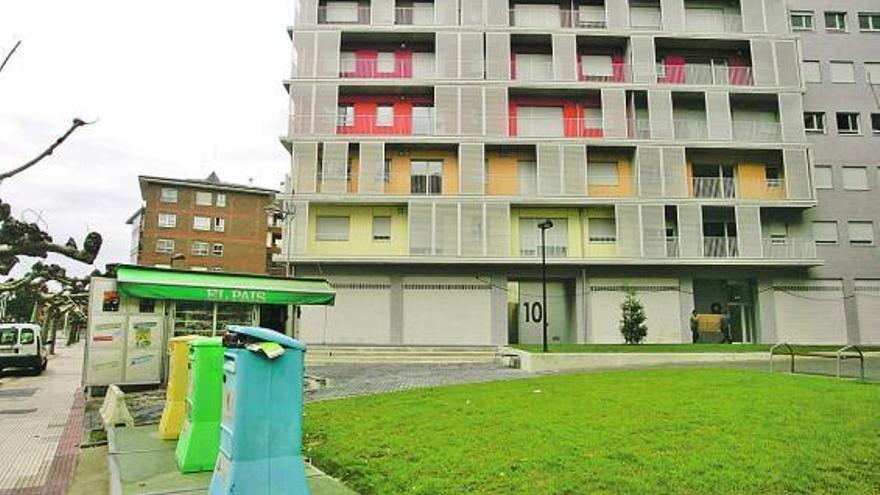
[177, 257]
[546, 224]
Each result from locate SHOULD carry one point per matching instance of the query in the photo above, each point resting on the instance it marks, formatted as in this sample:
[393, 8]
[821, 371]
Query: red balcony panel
[366, 109]
[674, 66]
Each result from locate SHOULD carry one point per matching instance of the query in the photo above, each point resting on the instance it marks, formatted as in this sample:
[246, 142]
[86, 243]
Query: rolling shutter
[690, 230]
[549, 170]
[748, 231]
[650, 172]
[371, 168]
[653, 231]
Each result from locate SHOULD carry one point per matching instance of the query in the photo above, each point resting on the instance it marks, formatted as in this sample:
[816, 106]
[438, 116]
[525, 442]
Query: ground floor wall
[492, 305]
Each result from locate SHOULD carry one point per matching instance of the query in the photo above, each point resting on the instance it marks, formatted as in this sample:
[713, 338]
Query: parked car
[22, 346]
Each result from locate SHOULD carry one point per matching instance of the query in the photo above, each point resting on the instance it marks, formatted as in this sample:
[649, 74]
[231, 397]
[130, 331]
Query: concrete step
[410, 354]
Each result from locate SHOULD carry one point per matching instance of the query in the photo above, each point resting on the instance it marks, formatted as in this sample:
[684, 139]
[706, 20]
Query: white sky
[181, 88]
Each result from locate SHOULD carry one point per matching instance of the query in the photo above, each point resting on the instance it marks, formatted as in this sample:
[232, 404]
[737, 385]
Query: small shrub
[632, 322]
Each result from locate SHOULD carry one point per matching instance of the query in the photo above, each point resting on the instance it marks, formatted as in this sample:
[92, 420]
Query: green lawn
[685, 348]
[641, 432]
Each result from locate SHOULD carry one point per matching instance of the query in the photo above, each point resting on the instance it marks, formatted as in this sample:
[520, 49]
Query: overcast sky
[181, 88]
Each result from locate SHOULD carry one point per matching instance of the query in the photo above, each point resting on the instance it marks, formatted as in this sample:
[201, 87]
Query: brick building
[205, 225]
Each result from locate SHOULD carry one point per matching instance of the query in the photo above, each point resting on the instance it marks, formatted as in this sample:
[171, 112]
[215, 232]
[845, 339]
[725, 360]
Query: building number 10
[534, 312]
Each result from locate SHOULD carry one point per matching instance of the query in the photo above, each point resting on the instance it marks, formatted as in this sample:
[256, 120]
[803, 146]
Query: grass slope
[658, 431]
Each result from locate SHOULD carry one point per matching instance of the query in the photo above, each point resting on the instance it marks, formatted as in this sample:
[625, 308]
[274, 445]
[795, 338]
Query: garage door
[868, 303]
[810, 311]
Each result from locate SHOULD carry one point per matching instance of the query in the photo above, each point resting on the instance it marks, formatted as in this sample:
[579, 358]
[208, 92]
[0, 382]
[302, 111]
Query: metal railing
[528, 69]
[720, 247]
[415, 16]
[841, 354]
[552, 251]
[558, 127]
[757, 131]
[638, 128]
[672, 250]
[360, 15]
[714, 187]
[789, 249]
[690, 129]
[697, 21]
[647, 20]
[620, 72]
[705, 74]
[414, 125]
[401, 69]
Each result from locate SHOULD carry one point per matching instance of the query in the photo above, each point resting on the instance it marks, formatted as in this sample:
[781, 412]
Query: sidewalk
[41, 425]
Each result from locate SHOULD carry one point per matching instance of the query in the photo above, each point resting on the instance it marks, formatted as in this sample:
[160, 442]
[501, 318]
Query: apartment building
[205, 225]
[841, 65]
[664, 139]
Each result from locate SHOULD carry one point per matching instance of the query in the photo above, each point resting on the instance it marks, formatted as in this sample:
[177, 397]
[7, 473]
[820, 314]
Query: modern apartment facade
[206, 225]
[841, 59]
[664, 140]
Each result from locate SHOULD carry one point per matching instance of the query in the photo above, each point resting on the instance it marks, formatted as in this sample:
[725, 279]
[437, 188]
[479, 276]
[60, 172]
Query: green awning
[156, 283]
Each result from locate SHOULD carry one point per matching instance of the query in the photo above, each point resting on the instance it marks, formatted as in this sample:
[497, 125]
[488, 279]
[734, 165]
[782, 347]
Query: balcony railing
[757, 131]
[646, 19]
[416, 125]
[402, 69]
[698, 20]
[638, 128]
[705, 75]
[527, 69]
[691, 129]
[330, 15]
[415, 16]
[552, 251]
[720, 247]
[558, 127]
[714, 187]
[672, 250]
[620, 72]
[789, 249]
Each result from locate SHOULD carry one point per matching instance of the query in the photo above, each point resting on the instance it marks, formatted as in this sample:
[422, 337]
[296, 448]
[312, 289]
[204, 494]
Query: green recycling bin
[200, 437]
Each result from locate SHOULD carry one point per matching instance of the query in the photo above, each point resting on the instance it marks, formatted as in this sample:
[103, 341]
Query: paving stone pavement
[41, 426]
[351, 379]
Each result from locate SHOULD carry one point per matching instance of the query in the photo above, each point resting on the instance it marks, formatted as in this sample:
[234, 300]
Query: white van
[22, 346]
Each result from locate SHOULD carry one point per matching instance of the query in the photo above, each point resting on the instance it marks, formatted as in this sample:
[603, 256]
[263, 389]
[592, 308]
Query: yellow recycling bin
[178, 387]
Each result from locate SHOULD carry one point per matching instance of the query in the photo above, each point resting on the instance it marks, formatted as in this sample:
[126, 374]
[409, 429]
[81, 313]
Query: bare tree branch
[77, 123]
[9, 55]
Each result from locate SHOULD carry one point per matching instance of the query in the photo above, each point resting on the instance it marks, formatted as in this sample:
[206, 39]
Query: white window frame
[382, 234]
[808, 72]
[169, 246]
[819, 117]
[871, 17]
[828, 223]
[603, 239]
[333, 236]
[217, 249]
[168, 195]
[855, 178]
[220, 200]
[345, 115]
[200, 248]
[384, 115]
[849, 74]
[204, 198]
[860, 241]
[824, 185]
[875, 124]
[219, 224]
[804, 14]
[849, 132]
[837, 28]
[167, 220]
[201, 223]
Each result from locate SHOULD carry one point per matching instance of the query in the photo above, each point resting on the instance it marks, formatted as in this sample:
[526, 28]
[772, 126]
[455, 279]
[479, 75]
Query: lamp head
[546, 224]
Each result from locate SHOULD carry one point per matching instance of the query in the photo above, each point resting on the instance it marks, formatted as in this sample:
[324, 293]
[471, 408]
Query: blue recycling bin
[261, 425]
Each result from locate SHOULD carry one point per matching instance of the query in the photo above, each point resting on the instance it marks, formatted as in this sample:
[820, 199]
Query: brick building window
[203, 198]
[217, 249]
[168, 195]
[220, 200]
[200, 248]
[165, 246]
[201, 223]
[167, 220]
[219, 224]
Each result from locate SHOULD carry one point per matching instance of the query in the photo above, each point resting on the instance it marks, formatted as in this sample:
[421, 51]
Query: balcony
[397, 125]
[757, 131]
[704, 74]
[416, 66]
[638, 128]
[690, 129]
[528, 67]
[789, 249]
[343, 14]
[712, 21]
[720, 247]
[546, 127]
[422, 15]
[714, 187]
[672, 249]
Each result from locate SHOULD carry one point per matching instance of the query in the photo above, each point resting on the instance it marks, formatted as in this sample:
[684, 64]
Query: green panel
[156, 283]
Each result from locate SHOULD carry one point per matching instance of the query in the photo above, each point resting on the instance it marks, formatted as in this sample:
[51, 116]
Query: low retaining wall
[535, 362]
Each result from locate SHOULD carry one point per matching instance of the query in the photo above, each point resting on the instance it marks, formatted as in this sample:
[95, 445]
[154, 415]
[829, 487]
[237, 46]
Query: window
[347, 62]
[164, 246]
[201, 223]
[167, 220]
[814, 122]
[843, 72]
[556, 237]
[220, 200]
[869, 21]
[860, 232]
[200, 248]
[219, 224]
[824, 177]
[875, 123]
[825, 232]
[602, 174]
[602, 230]
[216, 268]
[199, 268]
[146, 306]
[426, 177]
[872, 72]
[386, 170]
[385, 62]
[345, 116]
[168, 195]
[802, 20]
[8, 336]
[381, 228]
[217, 250]
[835, 21]
[331, 229]
[203, 198]
[778, 232]
[855, 178]
[385, 116]
[847, 123]
[812, 71]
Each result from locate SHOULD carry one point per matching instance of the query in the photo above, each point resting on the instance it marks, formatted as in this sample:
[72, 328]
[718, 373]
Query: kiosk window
[194, 317]
[233, 314]
[147, 306]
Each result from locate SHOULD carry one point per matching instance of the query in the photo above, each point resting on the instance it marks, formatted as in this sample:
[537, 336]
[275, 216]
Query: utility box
[200, 436]
[261, 429]
[178, 387]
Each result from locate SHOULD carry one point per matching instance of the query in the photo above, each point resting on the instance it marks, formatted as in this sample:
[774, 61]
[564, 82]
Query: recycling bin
[178, 387]
[200, 436]
[261, 429]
